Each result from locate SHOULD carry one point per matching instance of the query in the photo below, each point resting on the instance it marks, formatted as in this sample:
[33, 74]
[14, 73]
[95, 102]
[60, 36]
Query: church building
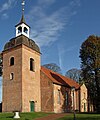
[27, 86]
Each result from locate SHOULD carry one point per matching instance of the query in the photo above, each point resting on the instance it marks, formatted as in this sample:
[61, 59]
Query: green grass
[81, 117]
[31, 116]
[24, 116]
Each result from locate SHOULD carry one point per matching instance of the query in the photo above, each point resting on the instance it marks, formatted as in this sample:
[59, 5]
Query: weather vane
[23, 5]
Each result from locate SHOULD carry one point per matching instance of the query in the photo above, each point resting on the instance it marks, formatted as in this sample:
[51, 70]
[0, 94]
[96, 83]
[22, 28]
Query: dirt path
[52, 116]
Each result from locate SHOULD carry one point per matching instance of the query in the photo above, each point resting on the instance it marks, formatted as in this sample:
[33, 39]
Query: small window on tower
[11, 76]
[11, 61]
[25, 30]
[20, 29]
[31, 64]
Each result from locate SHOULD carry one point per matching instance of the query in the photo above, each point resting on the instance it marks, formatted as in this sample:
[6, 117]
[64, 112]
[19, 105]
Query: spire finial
[23, 5]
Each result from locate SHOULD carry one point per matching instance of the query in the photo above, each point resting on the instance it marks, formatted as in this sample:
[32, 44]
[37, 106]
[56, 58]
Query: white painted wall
[22, 25]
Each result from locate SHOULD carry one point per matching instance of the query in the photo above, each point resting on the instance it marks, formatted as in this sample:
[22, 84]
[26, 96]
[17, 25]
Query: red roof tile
[59, 79]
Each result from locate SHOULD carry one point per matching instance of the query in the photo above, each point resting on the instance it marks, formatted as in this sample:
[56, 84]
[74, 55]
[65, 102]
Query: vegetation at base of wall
[81, 117]
[23, 116]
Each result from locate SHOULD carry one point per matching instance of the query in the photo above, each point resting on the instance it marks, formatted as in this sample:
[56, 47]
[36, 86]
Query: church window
[84, 95]
[59, 99]
[66, 98]
[20, 29]
[25, 30]
[11, 76]
[31, 64]
[11, 61]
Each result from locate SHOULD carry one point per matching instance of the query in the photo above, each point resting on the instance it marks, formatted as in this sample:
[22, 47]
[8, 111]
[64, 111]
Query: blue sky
[58, 26]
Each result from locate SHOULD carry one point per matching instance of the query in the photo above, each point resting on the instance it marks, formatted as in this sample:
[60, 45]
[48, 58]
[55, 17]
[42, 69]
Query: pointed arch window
[20, 29]
[11, 61]
[32, 64]
[25, 30]
[59, 98]
[66, 97]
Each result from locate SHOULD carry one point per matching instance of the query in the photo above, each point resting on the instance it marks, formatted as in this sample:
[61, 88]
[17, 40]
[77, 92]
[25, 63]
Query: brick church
[29, 87]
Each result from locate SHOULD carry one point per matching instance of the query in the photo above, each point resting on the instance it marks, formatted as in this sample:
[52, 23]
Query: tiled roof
[59, 79]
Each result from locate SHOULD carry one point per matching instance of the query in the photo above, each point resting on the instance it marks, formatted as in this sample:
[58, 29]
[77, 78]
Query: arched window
[31, 64]
[59, 99]
[11, 76]
[11, 61]
[25, 30]
[66, 98]
[20, 29]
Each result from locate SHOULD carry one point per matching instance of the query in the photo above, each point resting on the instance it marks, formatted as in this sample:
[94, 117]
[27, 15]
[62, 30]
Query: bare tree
[74, 74]
[54, 67]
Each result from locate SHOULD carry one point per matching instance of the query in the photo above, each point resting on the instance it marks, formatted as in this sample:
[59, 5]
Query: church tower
[21, 71]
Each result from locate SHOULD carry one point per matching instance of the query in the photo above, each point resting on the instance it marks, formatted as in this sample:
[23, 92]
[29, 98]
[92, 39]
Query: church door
[31, 106]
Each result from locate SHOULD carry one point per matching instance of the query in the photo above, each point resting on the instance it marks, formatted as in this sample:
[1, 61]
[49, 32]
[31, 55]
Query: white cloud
[46, 28]
[62, 52]
[46, 2]
[7, 5]
[5, 16]
[75, 2]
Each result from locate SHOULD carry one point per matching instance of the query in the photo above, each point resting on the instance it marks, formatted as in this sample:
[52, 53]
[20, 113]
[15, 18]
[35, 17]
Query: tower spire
[23, 5]
[22, 28]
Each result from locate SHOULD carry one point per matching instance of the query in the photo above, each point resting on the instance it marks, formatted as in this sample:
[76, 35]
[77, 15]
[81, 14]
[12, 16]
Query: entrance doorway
[32, 105]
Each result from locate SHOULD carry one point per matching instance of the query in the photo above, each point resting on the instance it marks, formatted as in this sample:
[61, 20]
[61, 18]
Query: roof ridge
[65, 79]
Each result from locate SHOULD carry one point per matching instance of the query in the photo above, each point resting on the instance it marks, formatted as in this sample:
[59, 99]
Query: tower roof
[22, 21]
[21, 40]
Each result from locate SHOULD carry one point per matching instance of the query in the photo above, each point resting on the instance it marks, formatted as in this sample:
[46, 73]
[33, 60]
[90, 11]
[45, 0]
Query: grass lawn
[31, 116]
[24, 116]
[81, 117]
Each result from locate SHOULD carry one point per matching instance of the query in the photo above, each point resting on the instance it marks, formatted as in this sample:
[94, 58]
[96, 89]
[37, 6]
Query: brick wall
[64, 105]
[12, 94]
[47, 99]
[25, 86]
[30, 80]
